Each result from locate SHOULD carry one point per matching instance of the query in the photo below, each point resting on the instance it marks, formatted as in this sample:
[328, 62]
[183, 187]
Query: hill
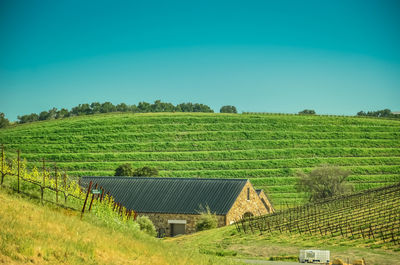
[268, 149]
[361, 225]
[32, 233]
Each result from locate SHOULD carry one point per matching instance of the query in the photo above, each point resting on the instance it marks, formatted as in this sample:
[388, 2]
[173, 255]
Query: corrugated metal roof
[171, 195]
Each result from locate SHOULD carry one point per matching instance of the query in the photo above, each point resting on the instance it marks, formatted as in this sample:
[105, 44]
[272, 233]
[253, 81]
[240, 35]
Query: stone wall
[264, 197]
[160, 220]
[242, 205]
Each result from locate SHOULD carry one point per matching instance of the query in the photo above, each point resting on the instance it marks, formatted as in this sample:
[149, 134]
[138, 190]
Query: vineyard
[51, 185]
[268, 149]
[371, 214]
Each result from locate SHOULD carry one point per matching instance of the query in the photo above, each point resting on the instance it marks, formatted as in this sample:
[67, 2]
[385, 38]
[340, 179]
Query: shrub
[145, 172]
[146, 225]
[307, 112]
[124, 170]
[207, 220]
[228, 109]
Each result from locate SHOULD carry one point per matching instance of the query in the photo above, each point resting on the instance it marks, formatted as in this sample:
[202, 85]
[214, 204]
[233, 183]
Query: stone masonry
[248, 202]
[242, 205]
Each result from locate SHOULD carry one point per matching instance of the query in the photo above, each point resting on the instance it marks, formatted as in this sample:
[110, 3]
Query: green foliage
[124, 170]
[324, 182]
[146, 225]
[107, 107]
[307, 112]
[145, 171]
[207, 220]
[385, 113]
[228, 109]
[3, 121]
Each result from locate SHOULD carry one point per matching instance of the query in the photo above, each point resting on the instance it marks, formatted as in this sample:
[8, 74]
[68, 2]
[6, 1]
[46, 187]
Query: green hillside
[268, 149]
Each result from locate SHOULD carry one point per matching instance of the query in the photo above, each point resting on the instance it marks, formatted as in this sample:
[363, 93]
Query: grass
[283, 246]
[281, 238]
[266, 148]
[31, 233]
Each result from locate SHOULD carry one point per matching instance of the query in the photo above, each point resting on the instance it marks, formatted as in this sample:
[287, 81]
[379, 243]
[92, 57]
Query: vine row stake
[91, 202]
[65, 187]
[87, 195]
[18, 168]
[56, 176]
[2, 164]
[44, 181]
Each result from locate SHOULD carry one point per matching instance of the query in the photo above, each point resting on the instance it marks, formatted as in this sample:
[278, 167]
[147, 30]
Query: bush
[307, 112]
[146, 225]
[145, 172]
[124, 170]
[207, 220]
[228, 109]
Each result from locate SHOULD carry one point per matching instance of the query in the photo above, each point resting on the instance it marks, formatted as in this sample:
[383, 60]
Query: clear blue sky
[337, 57]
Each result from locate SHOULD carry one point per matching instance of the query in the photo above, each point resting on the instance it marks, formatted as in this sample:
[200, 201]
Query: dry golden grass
[31, 233]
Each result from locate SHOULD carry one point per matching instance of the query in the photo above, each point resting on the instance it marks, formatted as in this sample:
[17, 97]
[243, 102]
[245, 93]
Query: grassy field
[268, 149]
[361, 225]
[31, 233]
[228, 242]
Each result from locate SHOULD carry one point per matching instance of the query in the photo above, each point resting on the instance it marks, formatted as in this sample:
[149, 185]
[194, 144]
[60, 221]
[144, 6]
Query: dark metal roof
[171, 195]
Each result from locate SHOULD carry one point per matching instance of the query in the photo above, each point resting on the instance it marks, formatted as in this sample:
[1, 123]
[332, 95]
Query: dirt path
[267, 262]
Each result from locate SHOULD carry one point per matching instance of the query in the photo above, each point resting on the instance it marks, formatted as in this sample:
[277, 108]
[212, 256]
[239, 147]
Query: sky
[336, 57]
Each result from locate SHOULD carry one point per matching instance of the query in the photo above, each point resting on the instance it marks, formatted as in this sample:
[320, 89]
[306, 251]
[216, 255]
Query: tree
[323, 182]
[307, 112]
[62, 113]
[96, 107]
[145, 172]
[28, 118]
[107, 107]
[228, 109]
[124, 170]
[122, 107]
[207, 220]
[3, 121]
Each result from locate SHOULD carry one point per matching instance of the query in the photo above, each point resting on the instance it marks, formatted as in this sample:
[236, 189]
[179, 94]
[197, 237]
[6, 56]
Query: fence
[372, 214]
[46, 180]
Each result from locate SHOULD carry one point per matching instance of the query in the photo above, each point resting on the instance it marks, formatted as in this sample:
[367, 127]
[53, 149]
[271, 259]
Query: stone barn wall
[242, 205]
[160, 220]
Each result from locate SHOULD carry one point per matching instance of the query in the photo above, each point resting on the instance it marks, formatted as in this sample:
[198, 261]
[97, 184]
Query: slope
[31, 233]
[268, 149]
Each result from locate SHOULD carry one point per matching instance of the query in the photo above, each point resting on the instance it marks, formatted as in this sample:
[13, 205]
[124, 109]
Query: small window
[248, 194]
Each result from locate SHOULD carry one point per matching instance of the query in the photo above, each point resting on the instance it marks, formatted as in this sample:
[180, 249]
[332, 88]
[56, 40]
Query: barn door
[177, 229]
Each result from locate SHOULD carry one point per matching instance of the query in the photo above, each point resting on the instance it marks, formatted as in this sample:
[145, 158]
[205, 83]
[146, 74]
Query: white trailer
[314, 256]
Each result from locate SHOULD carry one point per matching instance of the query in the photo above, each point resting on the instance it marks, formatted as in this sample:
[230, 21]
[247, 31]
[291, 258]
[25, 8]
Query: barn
[174, 204]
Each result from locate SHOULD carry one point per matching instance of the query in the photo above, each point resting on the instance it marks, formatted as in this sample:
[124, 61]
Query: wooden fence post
[102, 194]
[56, 176]
[44, 181]
[87, 195]
[2, 164]
[65, 187]
[18, 169]
[91, 202]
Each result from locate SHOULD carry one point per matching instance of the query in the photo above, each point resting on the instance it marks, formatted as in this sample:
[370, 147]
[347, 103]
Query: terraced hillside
[268, 149]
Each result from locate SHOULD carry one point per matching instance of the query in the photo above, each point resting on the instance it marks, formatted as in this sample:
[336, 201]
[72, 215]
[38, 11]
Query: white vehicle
[314, 256]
